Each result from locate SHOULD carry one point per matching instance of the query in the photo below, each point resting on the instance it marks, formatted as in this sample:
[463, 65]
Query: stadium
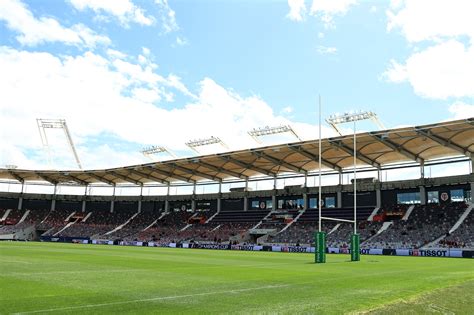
[429, 217]
[236, 157]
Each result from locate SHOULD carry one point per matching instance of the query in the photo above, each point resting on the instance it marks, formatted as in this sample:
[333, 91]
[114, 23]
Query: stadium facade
[283, 214]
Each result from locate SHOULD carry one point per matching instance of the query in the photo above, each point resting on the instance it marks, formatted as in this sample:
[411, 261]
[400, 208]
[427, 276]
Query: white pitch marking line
[15, 261]
[67, 272]
[152, 299]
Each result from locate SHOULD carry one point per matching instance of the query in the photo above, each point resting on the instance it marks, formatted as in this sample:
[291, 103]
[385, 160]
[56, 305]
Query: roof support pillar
[83, 207]
[20, 200]
[167, 202]
[246, 203]
[378, 197]
[341, 178]
[305, 201]
[112, 201]
[472, 192]
[274, 201]
[472, 165]
[339, 198]
[53, 200]
[422, 195]
[219, 199]
[139, 209]
[422, 170]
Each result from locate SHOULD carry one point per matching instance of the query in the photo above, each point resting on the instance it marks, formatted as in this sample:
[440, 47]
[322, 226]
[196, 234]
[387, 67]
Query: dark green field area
[72, 278]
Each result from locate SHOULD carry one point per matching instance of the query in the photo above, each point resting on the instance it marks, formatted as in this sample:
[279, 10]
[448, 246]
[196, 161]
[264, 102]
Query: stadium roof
[376, 149]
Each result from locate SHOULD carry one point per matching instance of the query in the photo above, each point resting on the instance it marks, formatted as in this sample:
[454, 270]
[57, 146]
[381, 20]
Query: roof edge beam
[17, 177]
[221, 170]
[315, 157]
[78, 180]
[47, 178]
[247, 166]
[196, 173]
[148, 176]
[126, 178]
[102, 179]
[350, 151]
[398, 148]
[443, 141]
[279, 162]
[164, 173]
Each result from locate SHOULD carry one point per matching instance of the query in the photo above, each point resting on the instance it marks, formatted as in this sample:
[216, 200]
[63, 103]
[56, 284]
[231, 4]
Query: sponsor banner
[441, 252]
[246, 247]
[468, 253]
[430, 252]
[276, 249]
[211, 246]
[363, 251]
[297, 249]
[333, 250]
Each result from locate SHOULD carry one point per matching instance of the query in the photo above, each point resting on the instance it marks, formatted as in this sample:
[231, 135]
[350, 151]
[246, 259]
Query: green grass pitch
[48, 278]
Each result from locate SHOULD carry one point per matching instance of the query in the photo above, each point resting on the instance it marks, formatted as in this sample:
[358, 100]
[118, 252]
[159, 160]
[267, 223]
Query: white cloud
[461, 110]
[373, 9]
[444, 66]
[320, 35]
[100, 96]
[34, 31]
[181, 41]
[326, 10]
[168, 16]
[440, 71]
[297, 10]
[287, 110]
[124, 10]
[432, 20]
[323, 50]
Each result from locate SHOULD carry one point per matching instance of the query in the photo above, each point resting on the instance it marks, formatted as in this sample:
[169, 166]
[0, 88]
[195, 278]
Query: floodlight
[193, 144]
[267, 131]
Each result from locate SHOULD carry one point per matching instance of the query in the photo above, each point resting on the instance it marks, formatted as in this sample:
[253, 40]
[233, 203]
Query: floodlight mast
[193, 144]
[44, 124]
[334, 120]
[154, 149]
[267, 131]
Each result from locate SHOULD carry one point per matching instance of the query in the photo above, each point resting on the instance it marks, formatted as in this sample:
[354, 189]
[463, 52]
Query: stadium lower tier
[411, 227]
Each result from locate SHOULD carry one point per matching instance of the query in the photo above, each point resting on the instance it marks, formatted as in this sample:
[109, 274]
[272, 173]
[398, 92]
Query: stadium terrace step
[260, 222]
[212, 217]
[122, 225]
[5, 215]
[70, 216]
[27, 212]
[292, 222]
[408, 213]
[456, 225]
[186, 227]
[334, 228]
[87, 217]
[371, 217]
[64, 228]
[461, 218]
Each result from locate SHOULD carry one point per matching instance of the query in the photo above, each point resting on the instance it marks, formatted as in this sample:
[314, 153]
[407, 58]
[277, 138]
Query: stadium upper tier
[374, 149]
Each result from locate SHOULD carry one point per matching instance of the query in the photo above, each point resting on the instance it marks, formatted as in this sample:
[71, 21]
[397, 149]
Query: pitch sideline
[152, 299]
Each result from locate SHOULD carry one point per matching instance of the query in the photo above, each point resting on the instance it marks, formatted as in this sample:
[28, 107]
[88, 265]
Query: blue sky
[127, 74]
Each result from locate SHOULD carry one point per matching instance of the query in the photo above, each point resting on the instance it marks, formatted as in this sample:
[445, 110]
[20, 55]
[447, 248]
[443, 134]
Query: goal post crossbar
[335, 219]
